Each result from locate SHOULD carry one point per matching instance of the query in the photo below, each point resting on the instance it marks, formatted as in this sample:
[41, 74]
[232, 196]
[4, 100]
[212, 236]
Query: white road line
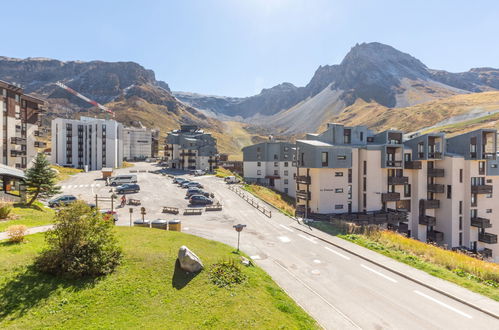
[307, 238]
[337, 253]
[81, 186]
[284, 239]
[378, 273]
[97, 184]
[443, 304]
[62, 187]
[69, 186]
[317, 294]
[92, 185]
[288, 229]
[85, 185]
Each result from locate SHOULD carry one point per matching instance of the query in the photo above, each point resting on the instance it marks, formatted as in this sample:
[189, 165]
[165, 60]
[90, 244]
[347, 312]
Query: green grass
[146, 290]
[282, 202]
[63, 173]
[34, 216]
[221, 172]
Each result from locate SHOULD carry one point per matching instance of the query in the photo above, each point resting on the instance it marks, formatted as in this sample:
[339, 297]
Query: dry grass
[16, 233]
[64, 173]
[280, 201]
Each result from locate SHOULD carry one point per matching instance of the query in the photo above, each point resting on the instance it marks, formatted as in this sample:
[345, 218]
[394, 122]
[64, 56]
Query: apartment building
[19, 125]
[87, 143]
[140, 143]
[432, 188]
[190, 148]
[272, 164]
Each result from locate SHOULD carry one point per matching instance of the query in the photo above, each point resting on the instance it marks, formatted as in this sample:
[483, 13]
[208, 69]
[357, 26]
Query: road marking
[317, 294]
[443, 304]
[186, 228]
[92, 185]
[97, 184]
[315, 272]
[307, 238]
[81, 186]
[378, 273]
[85, 185]
[284, 239]
[283, 226]
[337, 253]
[317, 261]
[69, 186]
[62, 187]
[255, 257]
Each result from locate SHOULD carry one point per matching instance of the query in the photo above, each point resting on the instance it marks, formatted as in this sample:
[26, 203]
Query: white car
[231, 179]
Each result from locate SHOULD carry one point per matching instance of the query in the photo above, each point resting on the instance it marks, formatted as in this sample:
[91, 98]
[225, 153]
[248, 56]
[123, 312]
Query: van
[122, 179]
[231, 179]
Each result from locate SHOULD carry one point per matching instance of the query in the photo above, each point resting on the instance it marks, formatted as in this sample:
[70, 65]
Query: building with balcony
[19, 124]
[272, 164]
[87, 143]
[140, 143]
[191, 148]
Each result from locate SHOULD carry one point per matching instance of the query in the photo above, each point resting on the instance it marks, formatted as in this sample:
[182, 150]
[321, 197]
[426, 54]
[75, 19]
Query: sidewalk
[32, 230]
[451, 290]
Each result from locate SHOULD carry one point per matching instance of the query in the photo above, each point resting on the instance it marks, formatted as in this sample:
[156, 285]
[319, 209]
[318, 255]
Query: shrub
[16, 233]
[82, 244]
[226, 274]
[5, 209]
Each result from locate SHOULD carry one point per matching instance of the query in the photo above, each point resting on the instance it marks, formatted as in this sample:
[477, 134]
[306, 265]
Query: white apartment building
[87, 143]
[139, 143]
[271, 164]
[190, 148]
[432, 188]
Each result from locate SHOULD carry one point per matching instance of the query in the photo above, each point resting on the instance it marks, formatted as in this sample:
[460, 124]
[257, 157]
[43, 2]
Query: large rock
[188, 260]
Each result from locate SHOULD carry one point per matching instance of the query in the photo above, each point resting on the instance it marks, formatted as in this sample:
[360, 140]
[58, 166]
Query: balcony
[189, 154]
[434, 155]
[393, 163]
[398, 180]
[431, 203]
[40, 144]
[413, 165]
[212, 161]
[191, 160]
[17, 153]
[39, 133]
[481, 189]
[167, 148]
[487, 238]
[488, 155]
[435, 236]
[486, 253]
[390, 197]
[480, 222]
[17, 140]
[436, 188]
[303, 179]
[427, 220]
[302, 194]
[436, 172]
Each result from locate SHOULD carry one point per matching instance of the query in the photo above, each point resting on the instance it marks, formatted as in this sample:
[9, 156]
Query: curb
[496, 316]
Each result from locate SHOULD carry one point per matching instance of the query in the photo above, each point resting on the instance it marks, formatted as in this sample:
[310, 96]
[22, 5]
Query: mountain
[125, 87]
[371, 72]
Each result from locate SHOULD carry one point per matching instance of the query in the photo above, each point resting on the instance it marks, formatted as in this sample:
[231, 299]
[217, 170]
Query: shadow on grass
[326, 227]
[30, 288]
[180, 277]
[25, 206]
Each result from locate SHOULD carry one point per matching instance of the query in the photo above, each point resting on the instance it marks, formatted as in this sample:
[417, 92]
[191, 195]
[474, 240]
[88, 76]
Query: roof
[12, 172]
[316, 143]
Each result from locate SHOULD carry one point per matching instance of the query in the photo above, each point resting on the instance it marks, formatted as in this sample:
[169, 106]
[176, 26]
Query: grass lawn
[64, 173]
[474, 274]
[280, 201]
[221, 172]
[34, 216]
[146, 291]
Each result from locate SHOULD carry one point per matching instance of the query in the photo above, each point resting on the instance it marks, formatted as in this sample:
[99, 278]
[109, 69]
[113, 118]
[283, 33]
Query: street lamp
[239, 229]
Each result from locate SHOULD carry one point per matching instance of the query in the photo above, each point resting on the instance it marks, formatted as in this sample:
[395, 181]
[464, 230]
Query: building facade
[19, 126]
[140, 143]
[87, 143]
[190, 148]
[271, 164]
[432, 188]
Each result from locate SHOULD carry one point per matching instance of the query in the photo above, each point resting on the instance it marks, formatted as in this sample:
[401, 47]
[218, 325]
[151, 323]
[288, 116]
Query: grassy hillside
[147, 290]
[34, 216]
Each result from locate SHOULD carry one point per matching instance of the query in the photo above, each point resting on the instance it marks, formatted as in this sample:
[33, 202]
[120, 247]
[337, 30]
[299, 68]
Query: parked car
[231, 179]
[123, 179]
[193, 184]
[196, 191]
[199, 172]
[200, 200]
[62, 200]
[179, 180]
[127, 188]
[185, 183]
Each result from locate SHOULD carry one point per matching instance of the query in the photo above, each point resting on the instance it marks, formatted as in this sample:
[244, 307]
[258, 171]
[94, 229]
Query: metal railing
[251, 201]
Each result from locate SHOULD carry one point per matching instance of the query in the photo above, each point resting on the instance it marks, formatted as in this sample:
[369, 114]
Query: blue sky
[238, 47]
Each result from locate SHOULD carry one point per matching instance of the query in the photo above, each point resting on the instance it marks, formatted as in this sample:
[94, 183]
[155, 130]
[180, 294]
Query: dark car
[62, 200]
[179, 180]
[200, 200]
[196, 191]
[128, 188]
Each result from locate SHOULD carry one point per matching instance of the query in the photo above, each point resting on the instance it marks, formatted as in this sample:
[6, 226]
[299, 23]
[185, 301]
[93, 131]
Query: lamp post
[239, 229]
[131, 212]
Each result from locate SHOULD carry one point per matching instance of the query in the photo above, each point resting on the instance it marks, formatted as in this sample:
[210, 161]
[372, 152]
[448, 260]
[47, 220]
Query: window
[460, 223]
[349, 192]
[481, 168]
[259, 164]
[276, 164]
[349, 175]
[259, 172]
[488, 195]
[365, 167]
[285, 164]
[493, 165]
[460, 207]
[275, 156]
[286, 181]
[286, 148]
[362, 136]
[364, 201]
[449, 191]
[407, 190]
[286, 173]
[338, 190]
[461, 175]
[338, 207]
[342, 157]
[364, 184]
[347, 136]
[324, 159]
[488, 211]
[286, 190]
[286, 156]
[473, 199]
[460, 239]
[338, 173]
[276, 172]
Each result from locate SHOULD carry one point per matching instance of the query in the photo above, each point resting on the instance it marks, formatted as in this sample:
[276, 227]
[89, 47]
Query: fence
[251, 201]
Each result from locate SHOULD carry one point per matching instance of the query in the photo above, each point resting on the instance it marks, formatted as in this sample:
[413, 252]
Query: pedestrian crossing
[69, 186]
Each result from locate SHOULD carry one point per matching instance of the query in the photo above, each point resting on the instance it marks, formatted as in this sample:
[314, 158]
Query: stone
[188, 260]
[245, 261]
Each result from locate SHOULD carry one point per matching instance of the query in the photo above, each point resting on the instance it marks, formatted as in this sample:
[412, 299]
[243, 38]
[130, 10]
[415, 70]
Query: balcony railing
[303, 179]
[393, 163]
[190, 154]
[486, 253]
[17, 140]
[390, 197]
[427, 220]
[431, 204]
[434, 155]
[488, 155]
[487, 238]
[413, 165]
[191, 160]
[435, 236]
[302, 194]
[481, 189]
[398, 180]
[480, 222]
[436, 188]
[436, 172]
[40, 144]
[17, 153]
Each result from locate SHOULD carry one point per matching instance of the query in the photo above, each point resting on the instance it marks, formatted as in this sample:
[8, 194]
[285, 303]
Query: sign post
[239, 229]
[130, 210]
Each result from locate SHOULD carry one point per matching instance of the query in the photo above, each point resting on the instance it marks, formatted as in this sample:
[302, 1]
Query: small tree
[81, 244]
[41, 179]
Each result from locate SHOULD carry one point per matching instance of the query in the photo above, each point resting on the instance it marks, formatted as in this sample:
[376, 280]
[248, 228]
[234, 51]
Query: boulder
[188, 260]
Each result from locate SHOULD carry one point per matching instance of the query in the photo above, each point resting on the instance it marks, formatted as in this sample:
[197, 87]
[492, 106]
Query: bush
[226, 274]
[82, 244]
[16, 233]
[5, 209]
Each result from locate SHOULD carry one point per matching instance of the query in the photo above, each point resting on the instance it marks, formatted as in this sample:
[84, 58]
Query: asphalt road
[340, 290]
